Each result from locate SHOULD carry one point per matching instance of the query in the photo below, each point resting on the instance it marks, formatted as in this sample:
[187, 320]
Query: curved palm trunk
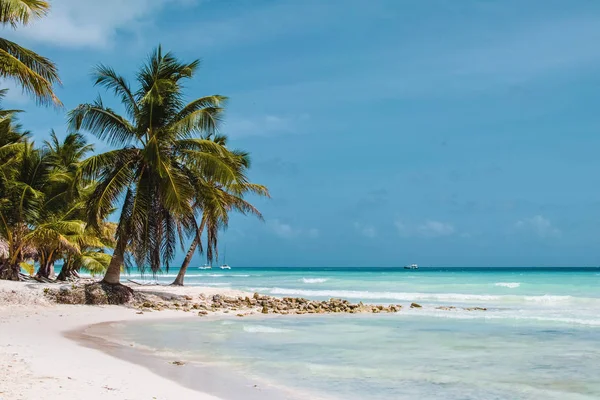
[188, 257]
[186, 262]
[113, 272]
[46, 270]
[65, 273]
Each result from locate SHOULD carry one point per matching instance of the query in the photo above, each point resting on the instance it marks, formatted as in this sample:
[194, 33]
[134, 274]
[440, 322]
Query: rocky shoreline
[147, 301]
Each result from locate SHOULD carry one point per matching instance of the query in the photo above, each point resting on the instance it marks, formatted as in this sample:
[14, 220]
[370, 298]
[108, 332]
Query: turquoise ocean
[538, 339]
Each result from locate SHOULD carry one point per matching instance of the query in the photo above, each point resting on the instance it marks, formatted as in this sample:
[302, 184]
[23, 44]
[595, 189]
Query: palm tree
[36, 74]
[215, 201]
[59, 224]
[20, 205]
[92, 256]
[152, 170]
[12, 140]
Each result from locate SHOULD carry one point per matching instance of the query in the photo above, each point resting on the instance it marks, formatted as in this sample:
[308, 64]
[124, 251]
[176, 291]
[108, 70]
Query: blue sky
[389, 131]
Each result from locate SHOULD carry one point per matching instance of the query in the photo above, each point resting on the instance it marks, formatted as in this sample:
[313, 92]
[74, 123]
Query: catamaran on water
[205, 266]
[412, 266]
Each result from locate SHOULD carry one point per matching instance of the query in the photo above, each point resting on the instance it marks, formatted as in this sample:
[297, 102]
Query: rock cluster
[203, 305]
[91, 293]
[263, 304]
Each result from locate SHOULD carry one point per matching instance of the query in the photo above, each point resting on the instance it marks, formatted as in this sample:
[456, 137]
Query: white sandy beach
[38, 362]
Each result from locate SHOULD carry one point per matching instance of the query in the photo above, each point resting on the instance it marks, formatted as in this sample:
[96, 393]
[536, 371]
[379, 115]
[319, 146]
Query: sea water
[538, 339]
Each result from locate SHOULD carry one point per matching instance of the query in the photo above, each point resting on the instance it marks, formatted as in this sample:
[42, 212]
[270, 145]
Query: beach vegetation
[35, 74]
[166, 157]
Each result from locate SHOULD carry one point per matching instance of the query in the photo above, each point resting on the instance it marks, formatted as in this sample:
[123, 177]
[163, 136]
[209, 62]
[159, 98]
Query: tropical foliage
[42, 202]
[170, 176]
[35, 74]
[215, 201]
[165, 161]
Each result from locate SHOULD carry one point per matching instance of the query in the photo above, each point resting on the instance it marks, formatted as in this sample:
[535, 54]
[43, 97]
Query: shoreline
[200, 375]
[40, 338]
[41, 359]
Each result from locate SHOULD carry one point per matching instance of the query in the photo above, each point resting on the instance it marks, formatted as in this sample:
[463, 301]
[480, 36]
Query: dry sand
[38, 362]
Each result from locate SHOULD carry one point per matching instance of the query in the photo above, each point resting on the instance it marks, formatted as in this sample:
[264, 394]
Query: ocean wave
[263, 329]
[241, 276]
[437, 297]
[213, 275]
[490, 315]
[510, 285]
[314, 280]
[259, 289]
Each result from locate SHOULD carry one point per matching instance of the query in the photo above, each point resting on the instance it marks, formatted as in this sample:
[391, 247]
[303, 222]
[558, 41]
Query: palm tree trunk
[43, 271]
[113, 272]
[66, 272]
[186, 262]
[188, 257]
[10, 271]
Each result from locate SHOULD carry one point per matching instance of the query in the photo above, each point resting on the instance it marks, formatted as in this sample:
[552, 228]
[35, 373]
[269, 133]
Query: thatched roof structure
[3, 249]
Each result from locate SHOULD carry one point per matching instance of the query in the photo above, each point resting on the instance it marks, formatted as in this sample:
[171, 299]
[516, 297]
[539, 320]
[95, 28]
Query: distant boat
[225, 266]
[205, 266]
[412, 266]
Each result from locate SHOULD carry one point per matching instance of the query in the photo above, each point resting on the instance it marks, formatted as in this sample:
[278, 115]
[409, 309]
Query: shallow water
[539, 339]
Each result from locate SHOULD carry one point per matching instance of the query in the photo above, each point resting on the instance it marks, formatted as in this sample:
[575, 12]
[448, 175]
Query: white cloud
[539, 226]
[435, 229]
[262, 125]
[89, 23]
[427, 229]
[287, 231]
[365, 230]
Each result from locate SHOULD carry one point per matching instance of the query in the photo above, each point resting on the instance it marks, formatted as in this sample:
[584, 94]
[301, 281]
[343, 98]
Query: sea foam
[314, 280]
[435, 297]
[510, 285]
[263, 329]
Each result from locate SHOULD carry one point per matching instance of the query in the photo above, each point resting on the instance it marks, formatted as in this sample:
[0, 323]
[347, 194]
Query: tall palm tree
[215, 201]
[35, 74]
[153, 169]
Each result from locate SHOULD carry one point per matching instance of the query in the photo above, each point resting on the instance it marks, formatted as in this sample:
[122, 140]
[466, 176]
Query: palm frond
[16, 12]
[36, 74]
[103, 122]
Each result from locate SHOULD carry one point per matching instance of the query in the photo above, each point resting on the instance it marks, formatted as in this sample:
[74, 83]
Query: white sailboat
[205, 266]
[225, 266]
[412, 266]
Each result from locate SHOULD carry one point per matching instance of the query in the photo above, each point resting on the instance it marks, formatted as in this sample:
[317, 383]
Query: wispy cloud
[365, 230]
[265, 125]
[288, 231]
[79, 23]
[539, 226]
[427, 229]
